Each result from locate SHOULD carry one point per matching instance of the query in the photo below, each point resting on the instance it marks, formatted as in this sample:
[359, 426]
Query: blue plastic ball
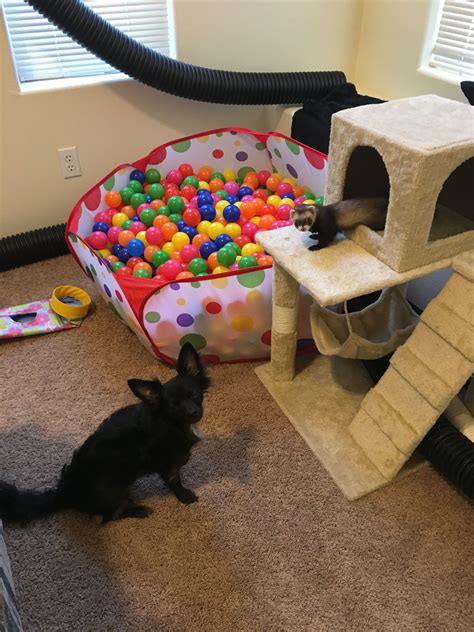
[204, 199]
[207, 248]
[190, 231]
[289, 195]
[102, 226]
[181, 224]
[222, 239]
[124, 254]
[116, 249]
[136, 248]
[232, 199]
[244, 191]
[138, 175]
[232, 213]
[135, 218]
[208, 212]
[148, 198]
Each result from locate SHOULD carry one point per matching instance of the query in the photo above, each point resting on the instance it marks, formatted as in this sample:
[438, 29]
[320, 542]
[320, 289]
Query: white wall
[390, 45]
[116, 122]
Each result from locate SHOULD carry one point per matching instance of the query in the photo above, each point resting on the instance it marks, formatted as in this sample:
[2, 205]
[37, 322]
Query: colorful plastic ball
[220, 270]
[309, 195]
[113, 199]
[265, 260]
[147, 216]
[160, 220]
[124, 271]
[143, 266]
[222, 239]
[157, 204]
[266, 222]
[135, 247]
[251, 249]
[170, 269]
[179, 240]
[185, 274]
[207, 249]
[212, 261]
[180, 224]
[274, 200]
[142, 273]
[132, 262]
[241, 240]
[233, 246]
[249, 229]
[245, 190]
[205, 173]
[125, 237]
[168, 248]
[247, 262]
[199, 239]
[138, 174]
[175, 218]
[299, 199]
[124, 255]
[189, 252]
[208, 212]
[126, 225]
[136, 227]
[101, 227]
[105, 252]
[192, 216]
[203, 197]
[186, 169]
[319, 199]
[135, 185]
[215, 184]
[116, 249]
[231, 188]
[232, 213]
[176, 204]
[282, 188]
[203, 227]
[232, 199]
[169, 229]
[190, 231]
[221, 194]
[197, 266]
[159, 257]
[226, 257]
[154, 236]
[97, 240]
[283, 212]
[137, 199]
[156, 191]
[149, 251]
[191, 181]
[148, 198]
[188, 192]
[119, 218]
[152, 175]
[105, 215]
[215, 229]
[128, 210]
[116, 265]
[233, 230]
[175, 176]
[202, 185]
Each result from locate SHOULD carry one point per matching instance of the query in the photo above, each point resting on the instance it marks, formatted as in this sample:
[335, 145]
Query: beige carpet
[272, 543]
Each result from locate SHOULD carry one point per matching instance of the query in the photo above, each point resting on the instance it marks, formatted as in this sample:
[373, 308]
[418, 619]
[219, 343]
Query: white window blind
[453, 49]
[42, 52]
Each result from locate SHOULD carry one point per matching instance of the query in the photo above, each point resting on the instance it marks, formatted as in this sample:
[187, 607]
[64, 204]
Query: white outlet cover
[69, 160]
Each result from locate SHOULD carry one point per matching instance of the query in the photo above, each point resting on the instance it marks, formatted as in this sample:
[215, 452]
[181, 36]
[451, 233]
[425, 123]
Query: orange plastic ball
[265, 260]
[149, 250]
[216, 184]
[212, 261]
[185, 274]
[298, 191]
[156, 204]
[143, 266]
[266, 222]
[259, 204]
[205, 173]
[146, 187]
[112, 259]
[272, 183]
[113, 199]
[176, 255]
[125, 236]
[248, 209]
[255, 220]
[129, 211]
[169, 229]
[251, 179]
[200, 239]
[161, 220]
[221, 220]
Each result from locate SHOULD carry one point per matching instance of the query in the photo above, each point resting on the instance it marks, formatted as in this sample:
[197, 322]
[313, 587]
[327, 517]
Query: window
[453, 48]
[42, 53]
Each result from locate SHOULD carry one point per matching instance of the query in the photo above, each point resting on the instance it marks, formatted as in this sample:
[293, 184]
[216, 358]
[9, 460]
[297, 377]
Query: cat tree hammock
[418, 152]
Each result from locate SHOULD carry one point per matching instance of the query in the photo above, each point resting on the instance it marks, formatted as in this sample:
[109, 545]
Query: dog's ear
[189, 362]
[149, 391]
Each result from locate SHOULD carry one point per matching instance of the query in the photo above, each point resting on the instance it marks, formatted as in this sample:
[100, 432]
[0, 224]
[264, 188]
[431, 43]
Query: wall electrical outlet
[69, 159]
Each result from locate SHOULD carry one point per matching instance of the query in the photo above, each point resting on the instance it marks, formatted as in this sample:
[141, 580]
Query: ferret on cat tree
[418, 153]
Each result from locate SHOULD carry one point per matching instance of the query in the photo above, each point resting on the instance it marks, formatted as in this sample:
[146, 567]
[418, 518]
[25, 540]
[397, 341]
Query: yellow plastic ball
[119, 218]
[203, 227]
[256, 220]
[274, 200]
[249, 249]
[238, 204]
[229, 175]
[142, 237]
[309, 202]
[220, 206]
[233, 230]
[168, 247]
[290, 181]
[215, 229]
[278, 175]
[179, 240]
[220, 270]
[288, 201]
[105, 252]
[203, 185]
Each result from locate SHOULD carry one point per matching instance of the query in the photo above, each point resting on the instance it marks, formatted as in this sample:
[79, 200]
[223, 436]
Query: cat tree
[419, 153]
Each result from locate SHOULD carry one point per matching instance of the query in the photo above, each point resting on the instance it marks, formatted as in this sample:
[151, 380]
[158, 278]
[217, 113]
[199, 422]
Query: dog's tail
[25, 505]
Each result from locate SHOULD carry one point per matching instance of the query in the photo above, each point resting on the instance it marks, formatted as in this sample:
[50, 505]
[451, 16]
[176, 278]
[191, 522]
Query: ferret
[324, 222]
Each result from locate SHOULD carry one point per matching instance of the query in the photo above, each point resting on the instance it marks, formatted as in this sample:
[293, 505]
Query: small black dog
[153, 436]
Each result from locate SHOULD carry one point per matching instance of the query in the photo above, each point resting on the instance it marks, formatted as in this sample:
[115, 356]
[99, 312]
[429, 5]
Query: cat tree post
[284, 318]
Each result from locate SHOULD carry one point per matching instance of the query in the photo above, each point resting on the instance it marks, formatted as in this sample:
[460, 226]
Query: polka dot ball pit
[227, 317]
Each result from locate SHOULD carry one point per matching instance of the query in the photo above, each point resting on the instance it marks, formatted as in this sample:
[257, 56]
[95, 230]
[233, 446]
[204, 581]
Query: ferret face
[304, 216]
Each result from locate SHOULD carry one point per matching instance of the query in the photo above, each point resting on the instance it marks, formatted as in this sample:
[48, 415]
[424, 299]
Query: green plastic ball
[202, 274]
[126, 225]
[147, 216]
[197, 266]
[174, 217]
[309, 195]
[159, 257]
[137, 199]
[141, 272]
[135, 185]
[222, 195]
[234, 247]
[176, 204]
[126, 194]
[218, 175]
[226, 256]
[116, 265]
[152, 176]
[247, 262]
[156, 191]
[164, 210]
[319, 199]
[190, 180]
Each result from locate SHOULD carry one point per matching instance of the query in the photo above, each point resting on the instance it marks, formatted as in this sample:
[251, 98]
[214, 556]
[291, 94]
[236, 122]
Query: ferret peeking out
[324, 222]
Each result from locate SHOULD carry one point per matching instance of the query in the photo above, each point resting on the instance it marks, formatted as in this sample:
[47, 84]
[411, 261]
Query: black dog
[153, 436]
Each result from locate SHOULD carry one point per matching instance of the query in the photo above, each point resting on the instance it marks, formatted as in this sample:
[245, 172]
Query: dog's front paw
[187, 496]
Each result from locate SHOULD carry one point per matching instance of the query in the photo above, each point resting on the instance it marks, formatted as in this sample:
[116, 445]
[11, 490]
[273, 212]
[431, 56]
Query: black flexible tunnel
[176, 77]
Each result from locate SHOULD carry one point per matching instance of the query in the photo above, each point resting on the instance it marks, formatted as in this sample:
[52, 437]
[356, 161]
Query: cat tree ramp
[365, 436]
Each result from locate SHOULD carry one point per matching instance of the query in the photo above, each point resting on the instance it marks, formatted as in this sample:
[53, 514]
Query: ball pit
[170, 241]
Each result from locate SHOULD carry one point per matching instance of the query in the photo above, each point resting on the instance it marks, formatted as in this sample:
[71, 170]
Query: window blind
[453, 50]
[41, 51]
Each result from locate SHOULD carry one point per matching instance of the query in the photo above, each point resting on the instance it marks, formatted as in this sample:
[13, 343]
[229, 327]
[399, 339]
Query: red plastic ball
[124, 271]
[263, 177]
[137, 227]
[97, 240]
[132, 262]
[192, 216]
[175, 176]
[249, 229]
[188, 191]
[154, 236]
[170, 269]
[113, 234]
[283, 212]
[189, 252]
[186, 169]
[284, 187]
[241, 240]
[269, 209]
[105, 216]
[260, 194]
[160, 279]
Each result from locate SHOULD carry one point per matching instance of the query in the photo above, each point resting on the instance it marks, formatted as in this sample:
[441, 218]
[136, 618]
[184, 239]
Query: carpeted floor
[271, 545]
